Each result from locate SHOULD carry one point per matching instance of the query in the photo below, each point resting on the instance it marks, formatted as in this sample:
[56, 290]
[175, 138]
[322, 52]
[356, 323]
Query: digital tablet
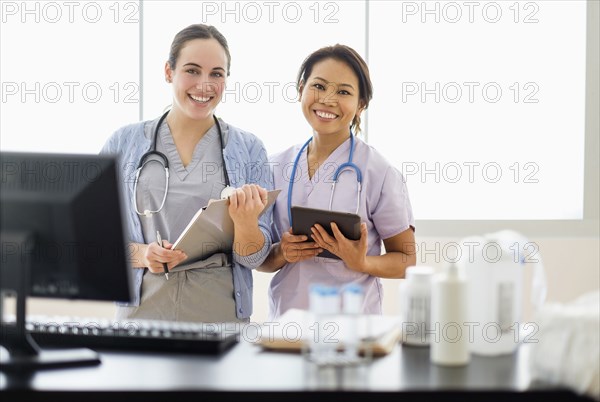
[304, 218]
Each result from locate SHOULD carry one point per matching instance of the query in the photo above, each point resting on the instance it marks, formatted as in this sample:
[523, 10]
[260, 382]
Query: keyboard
[134, 335]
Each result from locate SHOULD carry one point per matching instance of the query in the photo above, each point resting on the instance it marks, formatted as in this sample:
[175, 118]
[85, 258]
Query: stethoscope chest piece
[227, 192]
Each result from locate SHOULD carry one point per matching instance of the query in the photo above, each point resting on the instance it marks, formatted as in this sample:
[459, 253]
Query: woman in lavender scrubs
[334, 89]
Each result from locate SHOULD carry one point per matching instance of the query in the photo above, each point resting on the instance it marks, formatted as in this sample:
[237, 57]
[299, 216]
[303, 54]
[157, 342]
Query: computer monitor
[62, 236]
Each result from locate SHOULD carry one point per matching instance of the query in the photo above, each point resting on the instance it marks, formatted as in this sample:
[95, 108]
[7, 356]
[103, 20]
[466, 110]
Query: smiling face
[198, 79]
[330, 98]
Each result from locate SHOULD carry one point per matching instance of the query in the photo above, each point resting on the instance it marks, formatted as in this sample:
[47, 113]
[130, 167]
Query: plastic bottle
[324, 304]
[449, 343]
[352, 302]
[415, 296]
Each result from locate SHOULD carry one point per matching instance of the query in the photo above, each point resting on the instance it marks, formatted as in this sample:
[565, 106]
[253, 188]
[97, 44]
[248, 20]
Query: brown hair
[346, 55]
[197, 31]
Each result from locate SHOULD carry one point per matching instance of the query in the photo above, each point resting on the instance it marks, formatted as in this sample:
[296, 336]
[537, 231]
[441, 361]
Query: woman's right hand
[295, 248]
[155, 256]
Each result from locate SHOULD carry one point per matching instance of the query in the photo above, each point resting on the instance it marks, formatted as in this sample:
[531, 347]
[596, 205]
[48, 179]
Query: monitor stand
[24, 354]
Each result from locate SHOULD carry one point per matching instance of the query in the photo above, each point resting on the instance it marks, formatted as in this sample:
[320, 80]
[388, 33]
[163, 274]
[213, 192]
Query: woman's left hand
[246, 203]
[352, 252]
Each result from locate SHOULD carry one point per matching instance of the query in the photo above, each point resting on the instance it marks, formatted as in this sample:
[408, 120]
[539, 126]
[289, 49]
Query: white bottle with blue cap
[352, 305]
[324, 304]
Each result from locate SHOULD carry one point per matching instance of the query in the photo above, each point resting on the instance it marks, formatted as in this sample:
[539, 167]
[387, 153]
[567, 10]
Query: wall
[572, 269]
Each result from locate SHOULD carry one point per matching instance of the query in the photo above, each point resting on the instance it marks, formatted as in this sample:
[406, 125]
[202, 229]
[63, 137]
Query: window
[486, 99]
[268, 42]
[69, 73]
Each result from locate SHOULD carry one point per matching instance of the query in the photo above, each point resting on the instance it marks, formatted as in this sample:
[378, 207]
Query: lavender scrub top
[384, 206]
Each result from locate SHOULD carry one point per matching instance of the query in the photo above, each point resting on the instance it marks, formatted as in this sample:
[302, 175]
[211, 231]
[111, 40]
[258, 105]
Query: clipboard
[210, 230]
[304, 218]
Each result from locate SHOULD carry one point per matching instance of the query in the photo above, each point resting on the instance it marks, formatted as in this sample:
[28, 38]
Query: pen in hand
[165, 267]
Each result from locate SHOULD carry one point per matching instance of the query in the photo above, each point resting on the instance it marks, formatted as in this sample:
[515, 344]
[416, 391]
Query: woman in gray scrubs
[206, 158]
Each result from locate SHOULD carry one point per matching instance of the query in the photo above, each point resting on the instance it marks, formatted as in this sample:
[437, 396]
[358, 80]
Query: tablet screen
[304, 218]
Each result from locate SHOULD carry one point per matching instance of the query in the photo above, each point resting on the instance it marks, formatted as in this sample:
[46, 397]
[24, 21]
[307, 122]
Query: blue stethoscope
[336, 174]
[144, 160]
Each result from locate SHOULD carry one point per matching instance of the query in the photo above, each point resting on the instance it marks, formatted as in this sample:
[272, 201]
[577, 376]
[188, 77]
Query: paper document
[210, 230]
[296, 327]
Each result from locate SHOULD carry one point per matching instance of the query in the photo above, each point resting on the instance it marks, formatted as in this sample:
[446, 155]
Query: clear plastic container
[415, 305]
[495, 287]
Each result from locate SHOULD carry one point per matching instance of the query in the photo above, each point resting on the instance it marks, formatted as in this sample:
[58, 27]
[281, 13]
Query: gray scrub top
[202, 290]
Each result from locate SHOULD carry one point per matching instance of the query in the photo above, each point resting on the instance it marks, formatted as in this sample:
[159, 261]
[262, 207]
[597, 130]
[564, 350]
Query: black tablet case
[304, 218]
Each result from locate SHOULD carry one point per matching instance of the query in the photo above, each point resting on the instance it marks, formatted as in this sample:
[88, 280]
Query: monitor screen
[69, 206]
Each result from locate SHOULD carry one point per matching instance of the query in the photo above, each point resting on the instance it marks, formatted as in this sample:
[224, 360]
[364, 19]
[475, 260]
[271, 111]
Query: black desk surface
[249, 371]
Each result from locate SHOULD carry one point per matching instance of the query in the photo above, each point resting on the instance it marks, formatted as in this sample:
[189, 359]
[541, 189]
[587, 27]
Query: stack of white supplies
[567, 352]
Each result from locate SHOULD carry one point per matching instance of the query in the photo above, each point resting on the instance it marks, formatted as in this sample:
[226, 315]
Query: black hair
[346, 55]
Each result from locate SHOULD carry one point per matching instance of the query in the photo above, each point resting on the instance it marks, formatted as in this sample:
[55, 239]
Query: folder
[210, 230]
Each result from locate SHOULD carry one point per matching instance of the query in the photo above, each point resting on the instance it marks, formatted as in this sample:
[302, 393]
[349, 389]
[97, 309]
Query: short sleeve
[393, 213]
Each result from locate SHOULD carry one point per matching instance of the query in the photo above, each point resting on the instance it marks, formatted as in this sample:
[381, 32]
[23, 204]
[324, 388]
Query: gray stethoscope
[226, 192]
[336, 174]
